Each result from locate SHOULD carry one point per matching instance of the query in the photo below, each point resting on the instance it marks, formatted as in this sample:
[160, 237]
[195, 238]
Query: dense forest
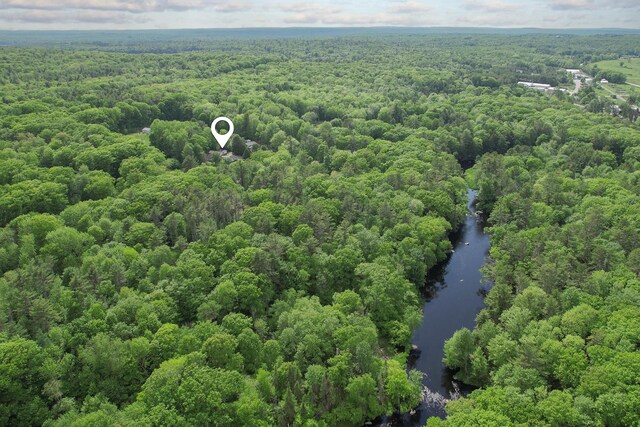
[150, 280]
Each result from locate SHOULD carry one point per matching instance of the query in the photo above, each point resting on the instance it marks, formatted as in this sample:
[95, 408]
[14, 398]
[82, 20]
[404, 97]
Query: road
[605, 87]
[618, 95]
[612, 92]
[578, 83]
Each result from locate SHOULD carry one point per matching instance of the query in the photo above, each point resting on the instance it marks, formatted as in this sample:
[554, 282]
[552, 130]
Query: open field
[631, 68]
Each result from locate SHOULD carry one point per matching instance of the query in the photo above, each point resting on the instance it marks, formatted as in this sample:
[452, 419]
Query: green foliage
[147, 280]
[24, 370]
[559, 325]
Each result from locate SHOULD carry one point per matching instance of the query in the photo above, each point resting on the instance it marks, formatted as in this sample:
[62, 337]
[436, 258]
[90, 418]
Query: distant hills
[26, 38]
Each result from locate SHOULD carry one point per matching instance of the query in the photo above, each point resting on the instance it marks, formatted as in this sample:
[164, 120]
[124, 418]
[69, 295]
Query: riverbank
[453, 296]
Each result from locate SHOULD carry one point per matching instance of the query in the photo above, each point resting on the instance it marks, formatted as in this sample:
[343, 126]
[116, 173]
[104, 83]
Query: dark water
[453, 297]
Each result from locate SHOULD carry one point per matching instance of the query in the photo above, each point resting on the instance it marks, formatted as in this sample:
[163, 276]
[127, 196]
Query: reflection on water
[453, 296]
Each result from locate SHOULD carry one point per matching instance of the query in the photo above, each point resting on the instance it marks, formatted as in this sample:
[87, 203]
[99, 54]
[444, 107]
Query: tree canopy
[148, 279]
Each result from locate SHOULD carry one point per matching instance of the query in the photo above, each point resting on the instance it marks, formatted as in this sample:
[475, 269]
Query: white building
[604, 81]
[538, 86]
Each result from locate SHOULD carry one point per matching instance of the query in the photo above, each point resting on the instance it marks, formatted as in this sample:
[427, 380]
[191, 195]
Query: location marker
[222, 139]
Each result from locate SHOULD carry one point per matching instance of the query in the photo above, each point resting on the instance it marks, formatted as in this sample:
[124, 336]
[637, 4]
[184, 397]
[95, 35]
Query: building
[576, 73]
[251, 144]
[231, 157]
[604, 81]
[537, 86]
[146, 130]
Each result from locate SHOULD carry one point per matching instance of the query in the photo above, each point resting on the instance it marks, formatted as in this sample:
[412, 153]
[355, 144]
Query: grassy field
[631, 68]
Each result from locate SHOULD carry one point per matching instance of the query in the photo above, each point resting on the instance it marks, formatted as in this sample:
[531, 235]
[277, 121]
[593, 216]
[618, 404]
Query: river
[453, 297]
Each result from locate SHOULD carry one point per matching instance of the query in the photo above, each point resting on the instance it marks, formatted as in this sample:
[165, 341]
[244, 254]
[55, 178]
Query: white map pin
[222, 139]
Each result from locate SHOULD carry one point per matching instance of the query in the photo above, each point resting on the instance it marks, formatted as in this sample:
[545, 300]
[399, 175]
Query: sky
[164, 14]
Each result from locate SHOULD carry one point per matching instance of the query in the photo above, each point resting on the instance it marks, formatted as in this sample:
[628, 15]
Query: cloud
[409, 20]
[324, 17]
[490, 6]
[235, 6]
[572, 4]
[623, 4]
[590, 5]
[307, 13]
[357, 20]
[404, 13]
[495, 20]
[64, 14]
[90, 16]
[302, 7]
[409, 7]
[132, 6]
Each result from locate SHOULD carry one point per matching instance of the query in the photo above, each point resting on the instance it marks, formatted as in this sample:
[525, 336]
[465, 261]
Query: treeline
[610, 76]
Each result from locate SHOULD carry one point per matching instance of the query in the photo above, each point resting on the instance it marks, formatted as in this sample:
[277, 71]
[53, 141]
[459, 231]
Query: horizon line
[346, 27]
